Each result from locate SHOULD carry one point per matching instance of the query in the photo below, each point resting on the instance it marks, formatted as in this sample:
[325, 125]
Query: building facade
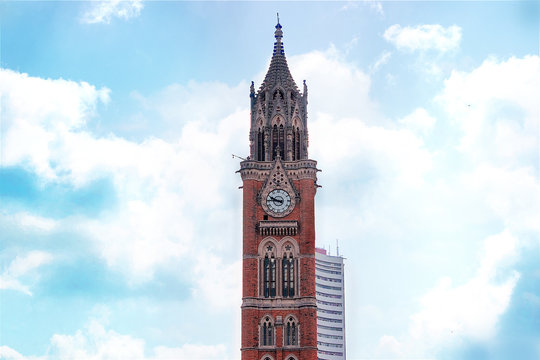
[330, 294]
[279, 308]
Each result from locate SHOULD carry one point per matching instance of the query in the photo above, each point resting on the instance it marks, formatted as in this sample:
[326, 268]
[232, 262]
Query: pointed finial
[278, 34]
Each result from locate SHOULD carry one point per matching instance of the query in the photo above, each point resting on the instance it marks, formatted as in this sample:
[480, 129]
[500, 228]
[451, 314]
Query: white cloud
[376, 5]
[30, 222]
[37, 112]
[8, 353]
[469, 311]
[389, 346]
[419, 120]
[383, 59]
[341, 90]
[96, 342]
[104, 11]
[163, 188]
[198, 102]
[23, 266]
[373, 4]
[496, 108]
[393, 153]
[188, 351]
[214, 277]
[511, 194]
[424, 37]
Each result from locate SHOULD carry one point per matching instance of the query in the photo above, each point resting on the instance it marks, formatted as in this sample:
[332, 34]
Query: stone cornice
[296, 170]
[279, 303]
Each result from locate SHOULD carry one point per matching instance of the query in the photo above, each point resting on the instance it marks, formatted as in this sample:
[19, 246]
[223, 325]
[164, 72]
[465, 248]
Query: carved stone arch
[263, 247]
[259, 124]
[283, 243]
[275, 120]
[267, 331]
[291, 331]
[268, 267]
[268, 357]
[278, 127]
[289, 251]
[269, 316]
[261, 137]
[296, 122]
[291, 357]
[291, 316]
[296, 138]
[279, 93]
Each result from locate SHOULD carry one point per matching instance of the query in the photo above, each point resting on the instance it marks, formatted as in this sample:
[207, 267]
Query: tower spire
[278, 34]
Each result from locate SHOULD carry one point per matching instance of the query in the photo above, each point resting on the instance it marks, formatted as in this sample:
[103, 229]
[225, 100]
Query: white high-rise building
[330, 294]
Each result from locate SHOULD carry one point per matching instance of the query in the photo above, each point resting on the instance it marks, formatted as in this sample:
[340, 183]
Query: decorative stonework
[278, 95]
[296, 170]
[278, 228]
[278, 180]
[281, 303]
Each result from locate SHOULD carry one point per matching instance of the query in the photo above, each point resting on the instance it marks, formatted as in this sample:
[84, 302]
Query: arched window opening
[267, 332]
[281, 140]
[269, 270]
[278, 95]
[261, 147]
[288, 275]
[291, 332]
[296, 145]
[274, 141]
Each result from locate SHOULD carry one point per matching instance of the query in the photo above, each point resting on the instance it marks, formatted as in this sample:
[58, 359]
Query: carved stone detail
[279, 228]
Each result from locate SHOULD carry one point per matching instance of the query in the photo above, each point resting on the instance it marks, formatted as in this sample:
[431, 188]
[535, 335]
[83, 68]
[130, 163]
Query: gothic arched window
[281, 140]
[269, 278]
[267, 332]
[274, 141]
[288, 275]
[291, 332]
[260, 145]
[296, 146]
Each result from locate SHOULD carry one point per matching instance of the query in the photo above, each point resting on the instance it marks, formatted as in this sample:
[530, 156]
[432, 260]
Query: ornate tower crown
[278, 112]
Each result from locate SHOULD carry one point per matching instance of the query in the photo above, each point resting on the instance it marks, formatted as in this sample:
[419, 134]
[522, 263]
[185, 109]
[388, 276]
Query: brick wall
[251, 316]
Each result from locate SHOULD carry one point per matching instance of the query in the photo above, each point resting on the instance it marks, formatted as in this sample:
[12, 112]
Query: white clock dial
[278, 201]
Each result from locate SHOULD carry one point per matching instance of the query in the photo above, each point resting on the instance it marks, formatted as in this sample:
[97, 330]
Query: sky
[120, 214]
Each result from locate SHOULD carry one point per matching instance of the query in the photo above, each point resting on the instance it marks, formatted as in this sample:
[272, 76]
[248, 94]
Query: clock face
[278, 201]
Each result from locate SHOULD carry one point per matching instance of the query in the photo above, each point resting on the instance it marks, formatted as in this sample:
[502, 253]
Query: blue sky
[120, 214]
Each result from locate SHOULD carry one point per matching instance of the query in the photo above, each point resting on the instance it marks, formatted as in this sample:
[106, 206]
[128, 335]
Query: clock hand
[278, 201]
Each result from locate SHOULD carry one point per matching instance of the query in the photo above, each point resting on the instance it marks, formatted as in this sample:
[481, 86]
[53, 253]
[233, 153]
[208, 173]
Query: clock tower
[279, 310]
